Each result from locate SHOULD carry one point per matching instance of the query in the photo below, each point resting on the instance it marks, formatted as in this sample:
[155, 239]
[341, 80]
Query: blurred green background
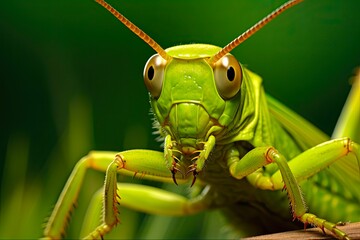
[71, 81]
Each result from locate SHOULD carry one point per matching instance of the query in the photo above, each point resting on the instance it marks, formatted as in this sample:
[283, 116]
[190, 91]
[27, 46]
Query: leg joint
[272, 155]
[119, 161]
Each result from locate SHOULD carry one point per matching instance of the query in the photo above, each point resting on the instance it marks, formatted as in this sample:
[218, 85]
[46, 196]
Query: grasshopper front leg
[149, 164]
[301, 167]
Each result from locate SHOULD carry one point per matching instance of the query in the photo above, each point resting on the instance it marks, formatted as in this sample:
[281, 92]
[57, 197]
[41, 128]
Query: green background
[71, 81]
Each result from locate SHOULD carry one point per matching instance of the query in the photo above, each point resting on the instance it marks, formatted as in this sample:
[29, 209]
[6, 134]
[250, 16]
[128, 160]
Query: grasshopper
[249, 154]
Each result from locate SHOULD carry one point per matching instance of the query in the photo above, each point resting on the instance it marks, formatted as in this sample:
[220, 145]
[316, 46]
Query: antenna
[141, 34]
[252, 30]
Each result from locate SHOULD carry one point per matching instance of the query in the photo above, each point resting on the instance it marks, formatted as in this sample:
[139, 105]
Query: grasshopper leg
[149, 164]
[59, 218]
[139, 197]
[250, 166]
[145, 199]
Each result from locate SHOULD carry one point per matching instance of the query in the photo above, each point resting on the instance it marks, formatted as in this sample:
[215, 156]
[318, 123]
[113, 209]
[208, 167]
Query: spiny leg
[322, 156]
[312, 219]
[145, 163]
[138, 197]
[250, 166]
[336, 154]
[254, 160]
[146, 199]
[149, 164]
[58, 221]
[111, 201]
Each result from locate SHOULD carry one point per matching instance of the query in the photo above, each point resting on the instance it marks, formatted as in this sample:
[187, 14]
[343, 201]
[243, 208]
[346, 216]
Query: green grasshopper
[242, 150]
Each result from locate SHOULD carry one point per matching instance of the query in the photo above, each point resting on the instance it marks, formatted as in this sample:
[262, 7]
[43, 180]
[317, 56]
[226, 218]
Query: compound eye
[154, 74]
[228, 76]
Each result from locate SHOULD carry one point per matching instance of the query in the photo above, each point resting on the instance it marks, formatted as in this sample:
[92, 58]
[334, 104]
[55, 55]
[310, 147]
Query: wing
[303, 132]
[346, 169]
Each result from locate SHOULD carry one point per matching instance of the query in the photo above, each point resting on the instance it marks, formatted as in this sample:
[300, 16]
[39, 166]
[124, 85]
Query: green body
[266, 167]
[194, 110]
